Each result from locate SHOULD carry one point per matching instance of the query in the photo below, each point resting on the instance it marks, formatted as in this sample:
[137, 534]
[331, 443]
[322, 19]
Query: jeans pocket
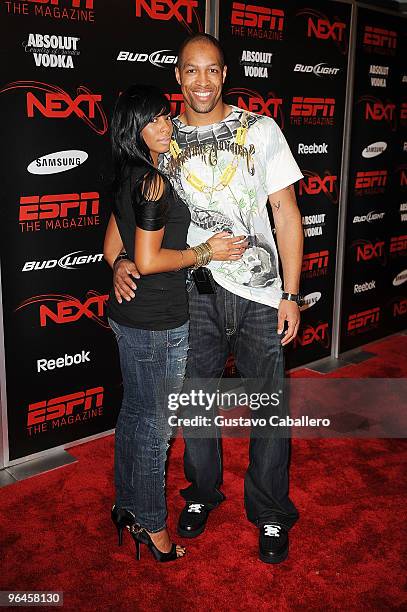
[179, 337]
[115, 329]
[142, 343]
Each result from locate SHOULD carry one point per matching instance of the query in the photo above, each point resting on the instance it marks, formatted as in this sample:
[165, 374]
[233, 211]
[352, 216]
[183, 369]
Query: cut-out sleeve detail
[151, 215]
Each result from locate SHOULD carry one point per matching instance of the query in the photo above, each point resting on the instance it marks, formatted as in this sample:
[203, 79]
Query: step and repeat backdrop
[64, 63]
[288, 60]
[375, 274]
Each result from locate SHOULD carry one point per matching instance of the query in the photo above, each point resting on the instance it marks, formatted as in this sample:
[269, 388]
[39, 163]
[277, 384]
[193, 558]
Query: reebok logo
[314, 148]
[43, 365]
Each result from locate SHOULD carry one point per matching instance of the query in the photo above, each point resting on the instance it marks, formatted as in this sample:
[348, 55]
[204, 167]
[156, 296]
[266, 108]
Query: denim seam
[230, 330]
[154, 529]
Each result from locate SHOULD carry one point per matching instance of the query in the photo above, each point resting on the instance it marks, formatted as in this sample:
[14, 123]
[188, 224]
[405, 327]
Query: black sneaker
[273, 543]
[192, 520]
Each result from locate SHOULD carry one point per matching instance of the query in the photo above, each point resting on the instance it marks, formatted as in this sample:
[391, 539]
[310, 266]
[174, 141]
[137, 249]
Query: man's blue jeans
[219, 324]
[152, 365]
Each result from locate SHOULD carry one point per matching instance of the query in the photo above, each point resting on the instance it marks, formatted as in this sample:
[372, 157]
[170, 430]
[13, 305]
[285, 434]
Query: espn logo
[363, 320]
[379, 37]
[398, 244]
[312, 107]
[253, 16]
[62, 406]
[33, 208]
[313, 261]
[370, 179]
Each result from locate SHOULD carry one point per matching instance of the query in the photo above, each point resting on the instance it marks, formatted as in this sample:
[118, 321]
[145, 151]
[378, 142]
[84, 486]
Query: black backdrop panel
[63, 64]
[374, 294]
[289, 61]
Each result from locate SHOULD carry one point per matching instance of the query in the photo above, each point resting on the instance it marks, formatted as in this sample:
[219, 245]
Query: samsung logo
[374, 149]
[61, 161]
[400, 278]
[310, 300]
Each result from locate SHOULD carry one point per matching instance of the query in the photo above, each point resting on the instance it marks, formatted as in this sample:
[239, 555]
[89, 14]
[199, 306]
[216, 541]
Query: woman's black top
[160, 300]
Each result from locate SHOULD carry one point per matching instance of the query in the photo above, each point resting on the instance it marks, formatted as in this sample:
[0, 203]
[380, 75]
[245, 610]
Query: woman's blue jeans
[152, 365]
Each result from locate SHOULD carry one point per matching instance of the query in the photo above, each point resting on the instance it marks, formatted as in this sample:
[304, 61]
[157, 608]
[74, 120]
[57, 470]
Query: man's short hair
[201, 38]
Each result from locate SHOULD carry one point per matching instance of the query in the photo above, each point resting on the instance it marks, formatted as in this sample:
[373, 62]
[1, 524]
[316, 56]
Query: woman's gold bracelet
[203, 253]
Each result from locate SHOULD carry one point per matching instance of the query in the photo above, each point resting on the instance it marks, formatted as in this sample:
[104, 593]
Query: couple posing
[203, 179]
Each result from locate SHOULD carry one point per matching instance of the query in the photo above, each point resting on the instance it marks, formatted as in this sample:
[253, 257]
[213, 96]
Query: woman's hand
[226, 247]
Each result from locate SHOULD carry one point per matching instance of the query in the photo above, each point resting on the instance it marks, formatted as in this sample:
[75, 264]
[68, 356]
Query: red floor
[347, 550]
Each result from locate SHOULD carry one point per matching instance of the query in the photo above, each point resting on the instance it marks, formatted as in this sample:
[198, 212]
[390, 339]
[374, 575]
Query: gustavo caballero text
[273, 421]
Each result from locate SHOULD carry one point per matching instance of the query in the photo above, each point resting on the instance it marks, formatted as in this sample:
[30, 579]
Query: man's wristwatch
[293, 297]
[119, 258]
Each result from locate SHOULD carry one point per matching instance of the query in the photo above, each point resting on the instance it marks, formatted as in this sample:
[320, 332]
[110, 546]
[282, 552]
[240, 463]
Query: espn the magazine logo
[363, 321]
[254, 21]
[65, 410]
[59, 211]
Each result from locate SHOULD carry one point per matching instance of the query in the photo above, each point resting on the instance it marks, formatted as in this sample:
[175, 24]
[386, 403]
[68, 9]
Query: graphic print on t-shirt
[224, 173]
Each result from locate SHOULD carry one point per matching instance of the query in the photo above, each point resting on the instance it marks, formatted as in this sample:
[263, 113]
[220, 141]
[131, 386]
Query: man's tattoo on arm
[277, 205]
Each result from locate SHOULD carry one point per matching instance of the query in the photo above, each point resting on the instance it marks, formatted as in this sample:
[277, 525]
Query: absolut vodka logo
[256, 63]
[52, 50]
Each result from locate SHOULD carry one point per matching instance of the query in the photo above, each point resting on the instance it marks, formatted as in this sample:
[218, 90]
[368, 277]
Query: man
[226, 163]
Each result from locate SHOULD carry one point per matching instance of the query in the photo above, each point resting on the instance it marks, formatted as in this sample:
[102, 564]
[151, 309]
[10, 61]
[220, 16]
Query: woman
[150, 222]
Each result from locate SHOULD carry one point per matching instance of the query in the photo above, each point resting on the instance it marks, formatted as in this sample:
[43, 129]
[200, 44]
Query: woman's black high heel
[140, 536]
[122, 518]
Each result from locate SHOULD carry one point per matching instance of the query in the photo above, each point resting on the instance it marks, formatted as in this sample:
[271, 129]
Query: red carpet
[346, 552]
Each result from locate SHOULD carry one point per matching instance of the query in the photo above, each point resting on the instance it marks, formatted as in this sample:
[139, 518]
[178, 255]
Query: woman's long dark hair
[134, 109]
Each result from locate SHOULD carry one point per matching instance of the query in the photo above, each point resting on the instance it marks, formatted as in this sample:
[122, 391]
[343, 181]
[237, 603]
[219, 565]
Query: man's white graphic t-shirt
[225, 172]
